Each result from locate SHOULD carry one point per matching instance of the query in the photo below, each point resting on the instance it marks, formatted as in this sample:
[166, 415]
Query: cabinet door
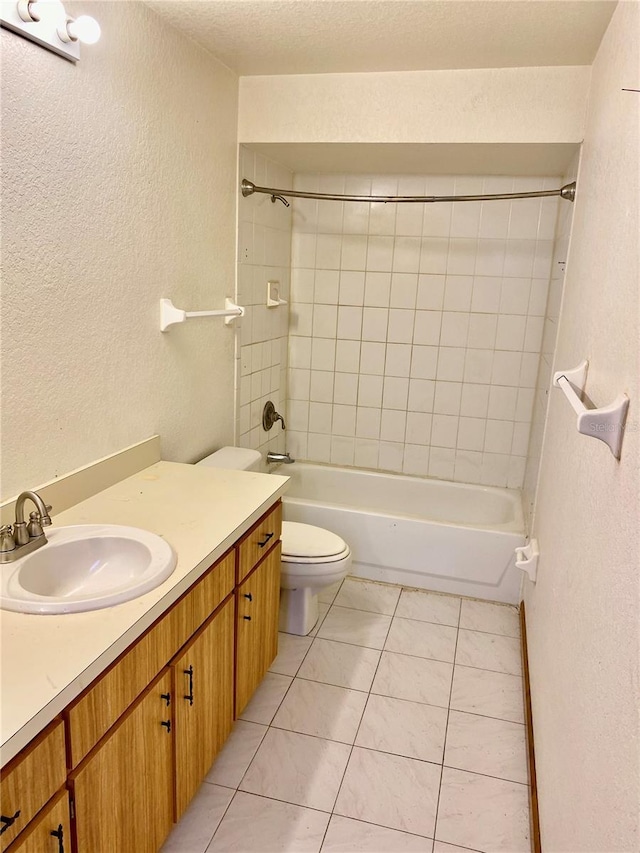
[49, 831]
[123, 791]
[257, 626]
[203, 702]
[30, 780]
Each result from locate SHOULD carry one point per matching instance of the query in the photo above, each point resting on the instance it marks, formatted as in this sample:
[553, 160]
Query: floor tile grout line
[288, 802]
[314, 637]
[487, 775]
[421, 657]
[382, 826]
[461, 600]
[213, 835]
[270, 726]
[323, 812]
[328, 684]
[484, 716]
[446, 729]
[387, 751]
[484, 669]
[491, 633]
[346, 767]
[267, 732]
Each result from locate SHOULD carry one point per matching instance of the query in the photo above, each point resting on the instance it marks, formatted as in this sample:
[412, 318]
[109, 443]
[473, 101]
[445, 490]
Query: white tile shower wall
[549, 335]
[264, 250]
[416, 329]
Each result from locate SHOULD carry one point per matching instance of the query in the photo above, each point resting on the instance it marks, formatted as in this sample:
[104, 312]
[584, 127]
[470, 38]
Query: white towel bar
[169, 314]
[606, 423]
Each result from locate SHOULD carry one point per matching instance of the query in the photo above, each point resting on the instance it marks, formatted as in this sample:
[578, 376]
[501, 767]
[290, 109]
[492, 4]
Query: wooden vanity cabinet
[49, 831]
[258, 598]
[142, 737]
[202, 700]
[123, 790]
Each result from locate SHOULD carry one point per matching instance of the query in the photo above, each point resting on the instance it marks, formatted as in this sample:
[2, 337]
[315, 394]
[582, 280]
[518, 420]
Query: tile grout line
[213, 835]
[270, 726]
[350, 752]
[360, 723]
[446, 730]
[426, 621]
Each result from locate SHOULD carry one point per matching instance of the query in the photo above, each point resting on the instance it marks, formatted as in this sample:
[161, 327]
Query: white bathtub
[447, 537]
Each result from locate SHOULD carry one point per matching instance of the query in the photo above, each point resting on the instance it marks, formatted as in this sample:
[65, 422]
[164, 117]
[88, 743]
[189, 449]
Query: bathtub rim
[517, 525]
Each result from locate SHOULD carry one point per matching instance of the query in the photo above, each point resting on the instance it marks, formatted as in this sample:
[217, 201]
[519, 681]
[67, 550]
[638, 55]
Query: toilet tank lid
[235, 458]
[306, 540]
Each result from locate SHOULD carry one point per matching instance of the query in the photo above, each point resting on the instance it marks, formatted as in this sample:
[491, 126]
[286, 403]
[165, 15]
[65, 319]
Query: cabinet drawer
[95, 712]
[258, 541]
[198, 604]
[49, 832]
[32, 780]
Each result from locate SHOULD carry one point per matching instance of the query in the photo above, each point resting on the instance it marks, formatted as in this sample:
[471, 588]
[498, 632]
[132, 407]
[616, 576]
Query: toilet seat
[306, 544]
[316, 561]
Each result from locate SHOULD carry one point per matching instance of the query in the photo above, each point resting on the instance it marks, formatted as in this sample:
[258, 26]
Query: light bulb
[84, 28]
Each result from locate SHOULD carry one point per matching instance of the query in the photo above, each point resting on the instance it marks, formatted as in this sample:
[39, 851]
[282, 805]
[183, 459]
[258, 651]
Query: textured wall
[416, 328]
[264, 254]
[118, 188]
[482, 105]
[583, 612]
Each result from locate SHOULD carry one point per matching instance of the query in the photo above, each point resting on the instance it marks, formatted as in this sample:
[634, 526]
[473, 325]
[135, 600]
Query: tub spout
[275, 458]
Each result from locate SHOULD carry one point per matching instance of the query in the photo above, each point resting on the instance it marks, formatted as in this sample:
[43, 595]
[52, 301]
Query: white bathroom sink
[86, 567]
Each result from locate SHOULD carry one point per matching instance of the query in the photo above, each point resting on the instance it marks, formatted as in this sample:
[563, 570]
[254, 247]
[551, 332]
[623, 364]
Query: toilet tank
[236, 458]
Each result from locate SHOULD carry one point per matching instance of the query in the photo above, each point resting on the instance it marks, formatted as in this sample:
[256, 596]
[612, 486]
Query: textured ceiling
[322, 36]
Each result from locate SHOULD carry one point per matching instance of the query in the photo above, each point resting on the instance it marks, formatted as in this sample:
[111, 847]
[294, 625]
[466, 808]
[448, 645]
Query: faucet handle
[7, 542]
[34, 528]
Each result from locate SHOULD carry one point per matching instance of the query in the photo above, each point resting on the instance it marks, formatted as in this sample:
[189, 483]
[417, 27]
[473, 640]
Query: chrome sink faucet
[22, 538]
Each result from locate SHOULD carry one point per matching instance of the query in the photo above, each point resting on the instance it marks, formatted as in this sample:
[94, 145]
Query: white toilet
[312, 557]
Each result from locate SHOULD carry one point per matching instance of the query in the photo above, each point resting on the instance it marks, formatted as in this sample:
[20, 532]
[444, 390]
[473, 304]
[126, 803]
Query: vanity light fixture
[46, 23]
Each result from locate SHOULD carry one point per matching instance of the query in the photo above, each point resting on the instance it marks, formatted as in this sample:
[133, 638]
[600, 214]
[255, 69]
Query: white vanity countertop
[49, 660]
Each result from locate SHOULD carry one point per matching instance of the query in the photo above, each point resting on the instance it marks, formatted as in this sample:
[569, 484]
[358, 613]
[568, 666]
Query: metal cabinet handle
[59, 834]
[189, 672]
[167, 725]
[266, 539]
[166, 697]
[248, 595]
[248, 618]
[8, 821]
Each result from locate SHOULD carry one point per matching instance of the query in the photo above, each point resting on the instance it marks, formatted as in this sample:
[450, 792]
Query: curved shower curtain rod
[567, 192]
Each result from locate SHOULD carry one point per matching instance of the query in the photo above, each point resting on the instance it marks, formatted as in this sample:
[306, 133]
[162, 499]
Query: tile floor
[396, 726]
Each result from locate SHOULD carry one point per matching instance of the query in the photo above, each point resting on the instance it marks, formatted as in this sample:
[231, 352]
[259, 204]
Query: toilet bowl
[312, 557]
